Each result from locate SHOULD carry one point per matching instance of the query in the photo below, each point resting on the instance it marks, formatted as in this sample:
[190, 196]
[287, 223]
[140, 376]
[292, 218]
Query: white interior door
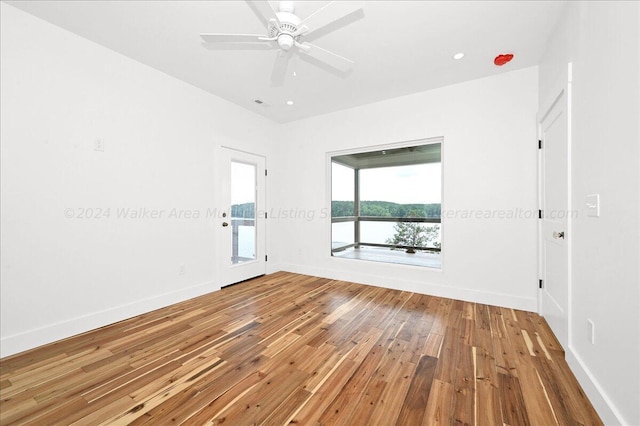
[241, 223]
[554, 180]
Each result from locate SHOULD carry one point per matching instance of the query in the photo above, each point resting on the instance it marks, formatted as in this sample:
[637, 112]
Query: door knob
[225, 224]
[558, 235]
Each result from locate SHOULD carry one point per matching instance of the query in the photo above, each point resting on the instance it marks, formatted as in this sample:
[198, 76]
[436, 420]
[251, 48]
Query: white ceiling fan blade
[264, 9]
[280, 65]
[331, 12]
[231, 38]
[336, 61]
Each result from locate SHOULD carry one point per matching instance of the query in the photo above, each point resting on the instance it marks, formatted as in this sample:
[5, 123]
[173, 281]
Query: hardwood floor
[294, 349]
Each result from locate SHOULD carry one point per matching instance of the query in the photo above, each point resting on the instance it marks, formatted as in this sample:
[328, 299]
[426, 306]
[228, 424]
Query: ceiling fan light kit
[286, 41]
[285, 31]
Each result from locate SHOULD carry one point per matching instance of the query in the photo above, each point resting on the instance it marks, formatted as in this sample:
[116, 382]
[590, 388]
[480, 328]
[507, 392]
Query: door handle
[225, 224]
[558, 235]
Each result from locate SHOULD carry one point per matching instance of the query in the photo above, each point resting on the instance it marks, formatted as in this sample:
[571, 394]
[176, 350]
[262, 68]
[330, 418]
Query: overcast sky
[403, 185]
[243, 183]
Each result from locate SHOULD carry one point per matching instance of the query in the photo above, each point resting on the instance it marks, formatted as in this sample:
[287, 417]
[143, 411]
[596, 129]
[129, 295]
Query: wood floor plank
[449, 354]
[260, 402]
[343, 405]
[487, 389]
[391, 400]
[514, 409]
[371, 398]
[291, 349]
[438, 412]
[284, 411]
[497, 322]
[324, 393]
[464, 409]
[415, 403]
[433, 345]
[557, 398]
[536, 397]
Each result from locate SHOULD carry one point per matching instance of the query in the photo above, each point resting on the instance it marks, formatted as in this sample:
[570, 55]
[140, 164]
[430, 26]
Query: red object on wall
[500, 60]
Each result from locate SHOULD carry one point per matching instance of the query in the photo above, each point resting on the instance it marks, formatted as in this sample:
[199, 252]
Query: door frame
[224, 154]
[563, 89]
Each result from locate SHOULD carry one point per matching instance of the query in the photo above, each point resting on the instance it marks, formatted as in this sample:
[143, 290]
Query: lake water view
[370, 232]
[341, 234]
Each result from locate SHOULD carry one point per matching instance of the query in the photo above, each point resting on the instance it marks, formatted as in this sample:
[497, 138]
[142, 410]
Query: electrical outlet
[181, 269]
[98, 144]
[591, 331]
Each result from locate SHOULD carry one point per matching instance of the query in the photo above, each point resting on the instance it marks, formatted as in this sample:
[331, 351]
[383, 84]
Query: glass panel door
[241, 225]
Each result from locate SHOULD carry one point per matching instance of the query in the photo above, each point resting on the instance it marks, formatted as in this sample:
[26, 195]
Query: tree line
[243, 210]
[385, 209]
[367, 208]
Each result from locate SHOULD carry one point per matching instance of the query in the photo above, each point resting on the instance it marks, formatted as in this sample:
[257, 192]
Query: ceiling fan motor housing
[288, 25]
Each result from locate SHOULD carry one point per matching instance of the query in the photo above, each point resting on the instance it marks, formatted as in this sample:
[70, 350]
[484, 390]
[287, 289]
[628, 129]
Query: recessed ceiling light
[458, 55]
[289, 102]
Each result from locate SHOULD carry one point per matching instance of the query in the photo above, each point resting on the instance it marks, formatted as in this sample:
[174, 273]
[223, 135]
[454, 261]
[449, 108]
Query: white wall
[602, 41]
[490, 153]
[60, 92]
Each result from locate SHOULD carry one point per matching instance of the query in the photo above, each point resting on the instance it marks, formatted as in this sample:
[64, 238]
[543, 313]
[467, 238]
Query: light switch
[593, 205]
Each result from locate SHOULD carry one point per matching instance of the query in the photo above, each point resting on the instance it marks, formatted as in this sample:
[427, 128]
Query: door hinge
[265, 257]
[540, 285]
[539, 143]
[265, 215]
[265, 172]
[539, 214]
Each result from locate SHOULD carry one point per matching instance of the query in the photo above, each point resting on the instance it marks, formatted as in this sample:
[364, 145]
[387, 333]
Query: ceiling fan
[285, 31]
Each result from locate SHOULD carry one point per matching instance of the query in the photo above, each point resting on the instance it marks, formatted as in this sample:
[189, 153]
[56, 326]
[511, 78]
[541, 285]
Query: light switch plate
[593, 205]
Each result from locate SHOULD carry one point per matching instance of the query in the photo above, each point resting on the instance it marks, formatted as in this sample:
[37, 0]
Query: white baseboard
[607, 411]
[422, 287]
[16, 343]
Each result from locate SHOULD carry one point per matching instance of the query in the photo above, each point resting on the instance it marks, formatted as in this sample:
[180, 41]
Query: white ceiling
[399, 47]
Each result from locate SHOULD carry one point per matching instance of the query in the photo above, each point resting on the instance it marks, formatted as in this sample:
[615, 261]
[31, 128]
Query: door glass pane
[243, 214]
